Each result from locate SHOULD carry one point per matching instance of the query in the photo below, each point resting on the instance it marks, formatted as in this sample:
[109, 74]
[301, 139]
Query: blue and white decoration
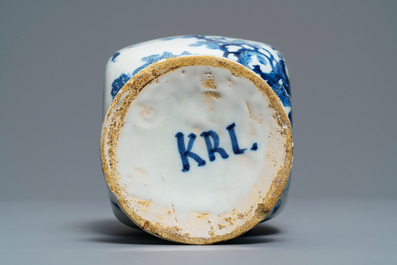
[262, 59]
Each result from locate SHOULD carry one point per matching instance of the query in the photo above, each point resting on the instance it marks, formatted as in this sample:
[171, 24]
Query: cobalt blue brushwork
[212, 147]
[120, 82]
[185, 152]
[254, 147]
[233, 138]
[268, 63]
[115, 56]
[246, 54]
[262, 59]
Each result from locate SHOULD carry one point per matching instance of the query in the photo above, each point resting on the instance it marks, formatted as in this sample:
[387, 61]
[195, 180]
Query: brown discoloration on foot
[197, 130]
[249, 110]
[229, 220]
[208, 81]
[202, 215]
[173, 210]
[212, 95]
[115, 119]
[143, 203]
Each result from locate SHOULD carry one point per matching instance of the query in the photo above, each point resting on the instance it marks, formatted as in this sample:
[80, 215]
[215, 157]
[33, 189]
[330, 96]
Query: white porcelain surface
[153, 121]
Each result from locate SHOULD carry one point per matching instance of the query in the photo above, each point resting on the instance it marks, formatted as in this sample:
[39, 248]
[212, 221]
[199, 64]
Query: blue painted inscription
[212, 147]
[186, 152]
[216, 148]
[254, 147]
[233, 138]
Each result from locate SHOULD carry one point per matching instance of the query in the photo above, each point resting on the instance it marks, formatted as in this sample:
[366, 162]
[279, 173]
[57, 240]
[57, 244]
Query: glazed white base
[150, 166]
[200, 105]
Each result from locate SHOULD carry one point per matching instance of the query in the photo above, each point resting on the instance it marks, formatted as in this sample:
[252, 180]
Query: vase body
[160, 58]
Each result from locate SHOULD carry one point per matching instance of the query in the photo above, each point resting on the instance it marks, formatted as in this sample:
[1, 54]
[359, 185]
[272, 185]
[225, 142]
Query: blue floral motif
[115, 56]
[280, 202]
[155, 58]
[253, 56]
[119, 82]
[246, 54]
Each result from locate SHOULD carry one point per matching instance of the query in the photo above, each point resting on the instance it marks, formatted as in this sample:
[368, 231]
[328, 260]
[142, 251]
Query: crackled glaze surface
[190, 136]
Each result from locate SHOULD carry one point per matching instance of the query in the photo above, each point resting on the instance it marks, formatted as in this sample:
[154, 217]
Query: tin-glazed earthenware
[196, 144]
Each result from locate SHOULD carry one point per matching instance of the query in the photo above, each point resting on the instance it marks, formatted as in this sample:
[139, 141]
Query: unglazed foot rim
[211, 229]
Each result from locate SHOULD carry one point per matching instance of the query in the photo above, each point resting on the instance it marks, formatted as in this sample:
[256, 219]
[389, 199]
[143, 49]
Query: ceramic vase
[196, 143]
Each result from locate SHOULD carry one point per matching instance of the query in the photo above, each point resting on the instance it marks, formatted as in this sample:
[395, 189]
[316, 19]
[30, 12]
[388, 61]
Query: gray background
[341, 57]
